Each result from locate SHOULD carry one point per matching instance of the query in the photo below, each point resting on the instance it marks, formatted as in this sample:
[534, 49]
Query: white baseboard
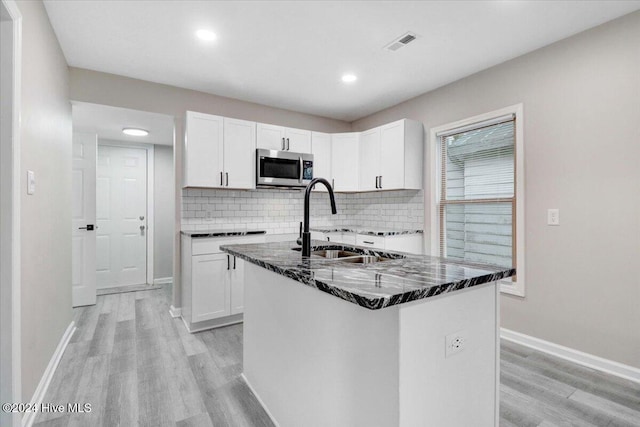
[585, 359]
[163, 280]
[175, 312]
[43, 385]
[273, 420]
[214, 325]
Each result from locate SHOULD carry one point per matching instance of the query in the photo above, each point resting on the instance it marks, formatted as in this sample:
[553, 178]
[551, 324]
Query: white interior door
[83, 239]
[121, 191]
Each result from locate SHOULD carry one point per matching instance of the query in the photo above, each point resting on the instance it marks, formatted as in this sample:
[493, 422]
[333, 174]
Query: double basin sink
[346, 256]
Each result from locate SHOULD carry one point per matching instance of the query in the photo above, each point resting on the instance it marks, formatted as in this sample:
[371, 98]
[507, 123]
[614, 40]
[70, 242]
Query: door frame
[10, 204]
[150, 199]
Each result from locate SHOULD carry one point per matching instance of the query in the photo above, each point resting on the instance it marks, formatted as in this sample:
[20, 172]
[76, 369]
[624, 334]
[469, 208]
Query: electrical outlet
[455, 343]
[553, 217]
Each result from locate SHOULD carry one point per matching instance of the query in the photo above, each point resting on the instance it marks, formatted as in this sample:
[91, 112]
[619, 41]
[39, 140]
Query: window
[476, 200]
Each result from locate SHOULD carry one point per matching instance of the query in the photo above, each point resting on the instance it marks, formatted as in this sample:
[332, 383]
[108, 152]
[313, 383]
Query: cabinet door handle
[283, 147]
[288, 146]
[380, 181]
[367, 242]
[377, 182]
[221, 179]
[333, 183]
[227, 178]
[234, 263]
[228, 263]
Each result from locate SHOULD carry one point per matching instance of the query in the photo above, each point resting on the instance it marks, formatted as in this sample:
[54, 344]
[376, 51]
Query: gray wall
[118, 91]
[163, 212]
[46, 215]
[581, 100]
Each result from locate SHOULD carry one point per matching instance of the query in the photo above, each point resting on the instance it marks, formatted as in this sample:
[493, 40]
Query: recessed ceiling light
[206, 35]
[349, 78]
[135, 132]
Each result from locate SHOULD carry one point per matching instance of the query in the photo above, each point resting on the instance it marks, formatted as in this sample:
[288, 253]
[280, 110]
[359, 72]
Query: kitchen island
[405, 340]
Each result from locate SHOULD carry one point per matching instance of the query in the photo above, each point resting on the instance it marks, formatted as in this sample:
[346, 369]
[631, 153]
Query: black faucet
[306, 235]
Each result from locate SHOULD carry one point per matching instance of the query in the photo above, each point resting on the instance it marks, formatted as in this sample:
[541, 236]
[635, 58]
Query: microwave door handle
[301, 169]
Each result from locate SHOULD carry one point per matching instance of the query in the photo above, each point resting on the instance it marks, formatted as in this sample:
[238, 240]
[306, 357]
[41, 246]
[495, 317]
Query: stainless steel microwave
[283, 168]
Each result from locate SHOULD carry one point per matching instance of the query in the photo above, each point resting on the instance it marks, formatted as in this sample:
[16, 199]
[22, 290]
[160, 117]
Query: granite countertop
[220, 233]
[402, 278]
[372, 231]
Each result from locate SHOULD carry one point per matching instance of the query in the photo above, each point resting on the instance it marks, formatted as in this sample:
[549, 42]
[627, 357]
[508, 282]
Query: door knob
[141, 217]
[89, 227]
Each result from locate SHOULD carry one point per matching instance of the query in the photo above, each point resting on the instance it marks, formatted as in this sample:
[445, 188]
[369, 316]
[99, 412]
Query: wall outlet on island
[455, 343]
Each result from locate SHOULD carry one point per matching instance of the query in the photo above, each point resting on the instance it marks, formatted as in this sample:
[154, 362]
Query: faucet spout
[306, 234]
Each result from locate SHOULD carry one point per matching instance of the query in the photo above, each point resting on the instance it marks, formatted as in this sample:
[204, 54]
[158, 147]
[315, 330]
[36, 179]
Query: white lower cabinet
[212, 281]
[411, 243]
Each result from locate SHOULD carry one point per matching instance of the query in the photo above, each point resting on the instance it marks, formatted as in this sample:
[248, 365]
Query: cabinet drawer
[211, 245]
[370, 241]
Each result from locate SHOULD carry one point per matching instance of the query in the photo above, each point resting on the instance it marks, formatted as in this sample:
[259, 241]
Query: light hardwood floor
[138, 366]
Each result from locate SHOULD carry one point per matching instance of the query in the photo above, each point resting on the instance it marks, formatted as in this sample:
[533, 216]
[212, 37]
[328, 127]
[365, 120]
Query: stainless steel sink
[347, 256]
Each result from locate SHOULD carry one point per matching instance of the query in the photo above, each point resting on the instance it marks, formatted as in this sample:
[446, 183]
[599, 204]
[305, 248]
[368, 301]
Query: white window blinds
[477, 196]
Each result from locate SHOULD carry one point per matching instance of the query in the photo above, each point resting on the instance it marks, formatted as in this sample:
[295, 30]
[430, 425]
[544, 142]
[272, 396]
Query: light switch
[31, 182]
[553, 217]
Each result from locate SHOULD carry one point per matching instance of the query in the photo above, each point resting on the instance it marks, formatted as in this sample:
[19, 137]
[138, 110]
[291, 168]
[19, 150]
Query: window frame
[435, 162]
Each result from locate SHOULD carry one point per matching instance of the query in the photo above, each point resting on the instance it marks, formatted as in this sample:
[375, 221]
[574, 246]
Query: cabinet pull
[234, 263]
[283, 144]
[221, 180]
[228, 263]
[288, 146]
[380, 181]
[367, 242]
[333, 183]
[377, 182]
[227, 178]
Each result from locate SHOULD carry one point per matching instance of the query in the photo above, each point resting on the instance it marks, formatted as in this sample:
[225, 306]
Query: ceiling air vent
[401, 41]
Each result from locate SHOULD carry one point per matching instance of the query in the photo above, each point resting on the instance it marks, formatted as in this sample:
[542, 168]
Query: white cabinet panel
[298, 140]
[344, 161]
[203, 150]
[321, 150]
[270, 137]
[239, 153]
[392, 153]
[370, 159]
[211, 285]
[236, 283]
[412, 243]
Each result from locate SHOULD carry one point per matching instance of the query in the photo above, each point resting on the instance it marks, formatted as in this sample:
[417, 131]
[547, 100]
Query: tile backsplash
[280, 211]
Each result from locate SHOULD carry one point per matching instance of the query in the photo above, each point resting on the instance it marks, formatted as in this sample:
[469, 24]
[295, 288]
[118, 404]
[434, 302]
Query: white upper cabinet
[321, 150]
[298, 140]
[239, 153]
[272, 137]
[344, 161]
[219, 153]
[391, 157]
[369, 159]
[204, 150]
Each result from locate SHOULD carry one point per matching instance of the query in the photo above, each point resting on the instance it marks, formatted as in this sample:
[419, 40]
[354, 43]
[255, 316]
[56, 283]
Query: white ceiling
[108, 122]
[292, 54]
